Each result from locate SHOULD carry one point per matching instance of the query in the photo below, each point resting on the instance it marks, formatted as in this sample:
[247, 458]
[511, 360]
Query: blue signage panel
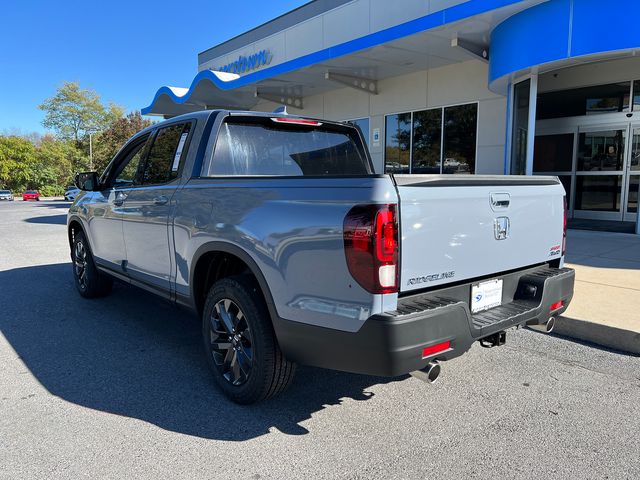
[248, 63]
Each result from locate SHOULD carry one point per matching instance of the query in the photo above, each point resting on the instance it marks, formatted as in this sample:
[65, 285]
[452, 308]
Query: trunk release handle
[500, 201]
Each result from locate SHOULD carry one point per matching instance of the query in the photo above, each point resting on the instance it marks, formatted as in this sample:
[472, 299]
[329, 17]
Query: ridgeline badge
[246, 64]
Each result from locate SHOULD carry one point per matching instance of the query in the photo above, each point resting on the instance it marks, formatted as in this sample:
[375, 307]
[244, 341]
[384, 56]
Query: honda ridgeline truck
[278, 233]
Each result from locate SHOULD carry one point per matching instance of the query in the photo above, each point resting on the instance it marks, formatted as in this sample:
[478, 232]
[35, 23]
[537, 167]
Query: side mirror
[87, 181]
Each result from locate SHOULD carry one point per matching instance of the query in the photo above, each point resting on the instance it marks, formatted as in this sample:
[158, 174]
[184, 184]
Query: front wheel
[89, 281]
[240, 343]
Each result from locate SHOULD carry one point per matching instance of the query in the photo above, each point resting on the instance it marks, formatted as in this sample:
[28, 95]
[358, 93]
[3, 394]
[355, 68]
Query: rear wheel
[240, 344]
[89, 281]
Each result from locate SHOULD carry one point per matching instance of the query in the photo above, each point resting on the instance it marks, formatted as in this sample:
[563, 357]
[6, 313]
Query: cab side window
[164, 159]
[128, 170]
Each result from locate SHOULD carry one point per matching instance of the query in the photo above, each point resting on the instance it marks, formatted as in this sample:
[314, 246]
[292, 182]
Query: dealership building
[522, 87]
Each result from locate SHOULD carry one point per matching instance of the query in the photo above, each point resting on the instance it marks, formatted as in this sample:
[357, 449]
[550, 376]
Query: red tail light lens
[433, 349]
[371, 247]
[564, 227]
[556, 306]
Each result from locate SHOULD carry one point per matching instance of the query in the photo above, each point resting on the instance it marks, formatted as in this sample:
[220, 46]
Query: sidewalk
[606, 305]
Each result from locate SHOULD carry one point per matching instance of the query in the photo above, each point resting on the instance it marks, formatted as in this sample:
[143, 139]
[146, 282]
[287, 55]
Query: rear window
[4, 192]
[30, 191]
[261, 149]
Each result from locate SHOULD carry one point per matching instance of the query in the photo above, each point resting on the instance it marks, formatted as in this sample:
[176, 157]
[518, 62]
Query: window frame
[442, 130]
[107, 176]
[185, 150]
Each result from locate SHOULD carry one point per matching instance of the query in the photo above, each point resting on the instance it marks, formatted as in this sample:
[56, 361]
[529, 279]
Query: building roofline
[286, 20]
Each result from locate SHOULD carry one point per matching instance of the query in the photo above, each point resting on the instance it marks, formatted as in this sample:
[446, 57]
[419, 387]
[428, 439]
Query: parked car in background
[71, 193]
[277, 231]
[31, 195]
[6, 195]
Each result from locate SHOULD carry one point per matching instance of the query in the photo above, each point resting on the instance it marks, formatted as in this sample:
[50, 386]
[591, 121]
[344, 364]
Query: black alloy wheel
[80, 264]
[240, 343]
[89, 281]
[231, 342]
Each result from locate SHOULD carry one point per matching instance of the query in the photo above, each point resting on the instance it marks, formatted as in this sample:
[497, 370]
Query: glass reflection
[598, 192]
[632, 200]
[397, 143]
[553, 153]
[601, 151]
[427, 130]
[460, 125]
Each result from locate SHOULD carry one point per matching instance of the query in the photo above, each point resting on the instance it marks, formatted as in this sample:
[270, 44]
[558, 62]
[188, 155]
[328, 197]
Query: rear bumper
[391, 343]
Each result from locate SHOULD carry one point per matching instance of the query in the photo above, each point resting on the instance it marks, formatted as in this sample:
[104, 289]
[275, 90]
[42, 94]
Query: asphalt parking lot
[119, 388]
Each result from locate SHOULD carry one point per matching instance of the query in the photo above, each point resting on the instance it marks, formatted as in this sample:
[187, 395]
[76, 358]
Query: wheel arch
[206, 255]
[74, 225]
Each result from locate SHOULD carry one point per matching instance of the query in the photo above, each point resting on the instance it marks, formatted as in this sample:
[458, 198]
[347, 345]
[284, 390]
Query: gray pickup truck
[276, 230]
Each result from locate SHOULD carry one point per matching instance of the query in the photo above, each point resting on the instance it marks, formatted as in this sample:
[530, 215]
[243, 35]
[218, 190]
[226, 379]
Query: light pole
[90, 152]
[91, 132]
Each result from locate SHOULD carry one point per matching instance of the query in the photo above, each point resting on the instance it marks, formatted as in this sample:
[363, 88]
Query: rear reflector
[297, 121]
[556, 306]
[433, 349]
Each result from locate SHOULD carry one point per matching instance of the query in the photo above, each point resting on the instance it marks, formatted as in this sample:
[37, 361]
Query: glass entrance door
[599, 166]
[600, 172]
[630, 213]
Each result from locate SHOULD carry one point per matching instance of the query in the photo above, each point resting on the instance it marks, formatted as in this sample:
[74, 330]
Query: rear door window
[166, 154]
[263, 149]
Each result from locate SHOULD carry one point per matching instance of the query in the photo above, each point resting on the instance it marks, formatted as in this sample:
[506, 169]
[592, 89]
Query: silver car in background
[6, 195]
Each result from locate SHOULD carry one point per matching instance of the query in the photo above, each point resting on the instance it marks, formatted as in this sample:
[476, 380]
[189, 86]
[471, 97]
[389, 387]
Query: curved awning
[556, 34]
[426, 42]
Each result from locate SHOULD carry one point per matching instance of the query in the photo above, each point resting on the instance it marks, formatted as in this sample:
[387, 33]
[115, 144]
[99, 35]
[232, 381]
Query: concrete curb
[604, 335]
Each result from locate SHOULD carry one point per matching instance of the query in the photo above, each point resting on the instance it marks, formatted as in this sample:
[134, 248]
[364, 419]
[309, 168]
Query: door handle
[161, 200]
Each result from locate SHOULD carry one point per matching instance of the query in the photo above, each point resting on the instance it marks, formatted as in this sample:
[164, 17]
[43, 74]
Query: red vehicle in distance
[31, 195]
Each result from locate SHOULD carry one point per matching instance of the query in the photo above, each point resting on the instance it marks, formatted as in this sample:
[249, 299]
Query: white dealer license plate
[486, 295]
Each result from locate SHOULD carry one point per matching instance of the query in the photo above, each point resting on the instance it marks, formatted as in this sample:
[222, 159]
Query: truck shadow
[49, 219]
[134, 355]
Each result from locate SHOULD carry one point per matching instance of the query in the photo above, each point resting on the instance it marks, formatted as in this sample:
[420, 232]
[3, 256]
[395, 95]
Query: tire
[88, 280]
[240, 344]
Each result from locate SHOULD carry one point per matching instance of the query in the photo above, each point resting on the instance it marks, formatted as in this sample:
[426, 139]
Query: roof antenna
[281, 110]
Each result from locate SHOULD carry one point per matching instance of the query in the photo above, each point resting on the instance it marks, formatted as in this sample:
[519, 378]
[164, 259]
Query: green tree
[74, 112]
[109, 141]
[17, 161]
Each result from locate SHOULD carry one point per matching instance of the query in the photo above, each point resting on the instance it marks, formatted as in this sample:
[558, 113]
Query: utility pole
[90, 152]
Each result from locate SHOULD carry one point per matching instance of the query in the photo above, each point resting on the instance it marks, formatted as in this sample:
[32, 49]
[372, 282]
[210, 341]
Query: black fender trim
[232, 249]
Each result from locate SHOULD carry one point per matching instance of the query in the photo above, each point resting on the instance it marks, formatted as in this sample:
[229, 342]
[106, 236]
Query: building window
[460, 126]
[363, 123]
[576, 102]
[427, 141]
[553, 153]
[397, 143]
[521, 92]
[438, 140]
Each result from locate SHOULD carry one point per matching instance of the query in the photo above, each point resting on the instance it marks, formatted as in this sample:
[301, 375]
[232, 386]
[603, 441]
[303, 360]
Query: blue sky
[125, 50]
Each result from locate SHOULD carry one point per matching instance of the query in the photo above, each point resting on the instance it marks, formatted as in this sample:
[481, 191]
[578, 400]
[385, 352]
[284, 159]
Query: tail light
[564, 227]
[371, 247]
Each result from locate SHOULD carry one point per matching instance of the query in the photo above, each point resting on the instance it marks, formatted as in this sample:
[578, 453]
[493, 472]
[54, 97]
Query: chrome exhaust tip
[428, 374]
[544, 327]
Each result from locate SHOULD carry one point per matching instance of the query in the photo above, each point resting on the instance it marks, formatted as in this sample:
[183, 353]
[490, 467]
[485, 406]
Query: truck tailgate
[461, 227]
